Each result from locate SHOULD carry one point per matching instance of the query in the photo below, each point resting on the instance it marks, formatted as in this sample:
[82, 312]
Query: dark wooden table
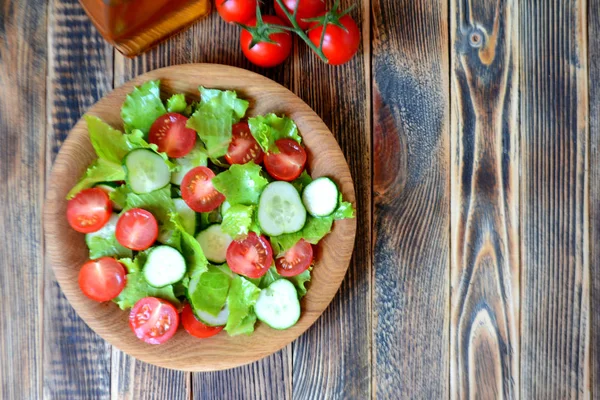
[472, 131]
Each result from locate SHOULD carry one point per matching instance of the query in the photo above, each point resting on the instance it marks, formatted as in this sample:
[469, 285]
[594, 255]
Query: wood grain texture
[484, 325]
[411, 199]
[23, 49]
[332, 360]
[66, 250]
[555, 279]
[76, 360]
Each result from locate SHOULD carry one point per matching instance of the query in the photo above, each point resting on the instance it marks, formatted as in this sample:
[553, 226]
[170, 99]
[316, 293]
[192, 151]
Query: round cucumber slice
[280, 209]
[211, 320]
[320, 197]
[214, 243]
[278, 305]
[146, 171]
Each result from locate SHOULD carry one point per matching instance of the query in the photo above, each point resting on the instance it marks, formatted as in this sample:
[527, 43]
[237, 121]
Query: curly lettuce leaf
[109, 143]
[101, 170]
[299, 280]
[314, 230]
[195, 158]
[241, 183]
[302, 181]
[142, 107]
[344, 210]
[238, 220]
[137, 288]
[103, 242]
[176, 103]
[241, 299]
[119, 196]
[267, 129]
[208, 291]
[189, 247]
[217, 112]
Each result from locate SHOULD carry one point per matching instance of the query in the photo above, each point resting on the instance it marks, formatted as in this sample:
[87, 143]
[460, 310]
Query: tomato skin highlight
[306, 9]
[136, 229]
[238, 11]
[153, 320]
[266, 54]
[195, 327]
[289, 163]
[102, 279]
[339, 45]
[243, 147]
[198, 191]
[89, 210]
[170, 134]
[296, 260]
[251, 257]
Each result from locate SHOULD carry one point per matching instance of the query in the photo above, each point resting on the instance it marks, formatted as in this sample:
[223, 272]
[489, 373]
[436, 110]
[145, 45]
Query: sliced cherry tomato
[306, 9]
[243, 147]
[197, 328]
[153, 320]
[102, 279]
[263, 53]
[171, 136]
[137, 229]
[296, 260]
[340, 43]
[238, 11]
[288, 164]
[89, 210]
[198, 191]
[251, 257]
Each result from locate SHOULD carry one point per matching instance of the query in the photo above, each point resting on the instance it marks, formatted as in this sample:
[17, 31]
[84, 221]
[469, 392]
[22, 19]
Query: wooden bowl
[67, 251]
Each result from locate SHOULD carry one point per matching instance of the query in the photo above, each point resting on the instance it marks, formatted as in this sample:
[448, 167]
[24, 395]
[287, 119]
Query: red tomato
[339, 44]
[296, 260]
[288, 164]
[243, 147]
[306, 9]
[153, 320]
[236, 10]
[171, 136]
[198, 191]
[266, 54]
[89, 210]
[137, 229]
[196, 328]
[251, 257]
[102, 279]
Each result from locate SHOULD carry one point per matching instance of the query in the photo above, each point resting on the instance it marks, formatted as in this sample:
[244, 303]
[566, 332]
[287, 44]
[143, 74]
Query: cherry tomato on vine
[261, 52]
[306, 9]
[239, 11]
[339, 44]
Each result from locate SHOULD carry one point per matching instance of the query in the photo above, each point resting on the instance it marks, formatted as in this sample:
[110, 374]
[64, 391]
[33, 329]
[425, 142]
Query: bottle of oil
[133, 26]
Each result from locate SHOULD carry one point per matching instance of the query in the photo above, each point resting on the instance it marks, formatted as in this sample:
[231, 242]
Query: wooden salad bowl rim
[66, 248]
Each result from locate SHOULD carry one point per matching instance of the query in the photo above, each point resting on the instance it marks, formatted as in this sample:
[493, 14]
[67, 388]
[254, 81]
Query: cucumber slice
[280, 209]
[195, 158]
[320, 197]
[146, 171]
[278, 305]
[164, 266]
[211, 320]
[188, 216]
[214, 243]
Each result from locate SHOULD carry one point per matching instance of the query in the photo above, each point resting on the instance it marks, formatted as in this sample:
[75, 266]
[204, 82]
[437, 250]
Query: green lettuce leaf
[137, 288]
[344, 210]
[302, 181]
[241, 300]
[101, 170]
[142, 107]
[241, 184]
[208, 291]
[314, 230]
[299, 280]
[103, 242]
[217, 112]
[195, 158]
[267, 129]
[271, 276]
[109, 143]
[189, 247]
[119, 196]
[131, 265]
[176, 103]
[238, 220]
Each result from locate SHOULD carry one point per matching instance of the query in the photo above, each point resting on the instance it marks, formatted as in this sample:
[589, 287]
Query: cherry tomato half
[266, 54]
[289, 163]
[296, 260]
[339, 44]
[89, 210]
[153, 320]
[198, 191]
[102, 279]
[136, 229]
[195, 327]
[171, 136]
[243, 147]
[251, 256]
[236, 10]
[306, 9]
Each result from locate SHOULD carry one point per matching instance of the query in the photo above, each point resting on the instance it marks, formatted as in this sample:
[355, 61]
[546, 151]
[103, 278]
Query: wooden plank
[198, 45]
[554, 200]
[594, 243]
[338, 345]
[23, 47]
[411, 199]
[76, 360]
[484, 324]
